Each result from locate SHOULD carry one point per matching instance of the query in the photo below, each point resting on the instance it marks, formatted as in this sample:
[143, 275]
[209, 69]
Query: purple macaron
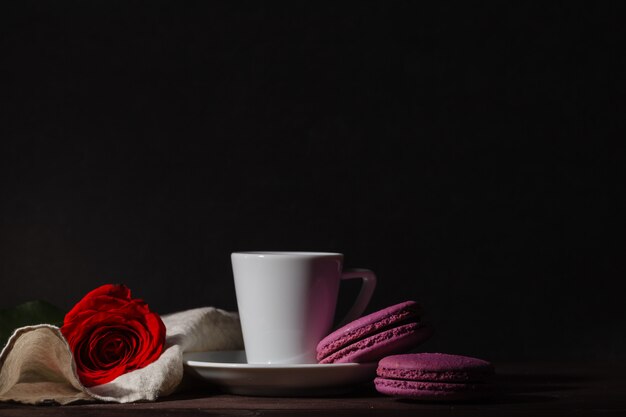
[434, 377]
[389, 331]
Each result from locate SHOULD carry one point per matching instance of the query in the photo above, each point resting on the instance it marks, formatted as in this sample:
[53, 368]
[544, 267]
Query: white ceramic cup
[287, 301]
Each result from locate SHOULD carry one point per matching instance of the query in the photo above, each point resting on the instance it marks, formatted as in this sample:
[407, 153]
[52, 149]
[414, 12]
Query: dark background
[462, 151]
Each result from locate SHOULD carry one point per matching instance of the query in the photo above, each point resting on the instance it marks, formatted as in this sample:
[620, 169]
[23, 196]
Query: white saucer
[229, 371]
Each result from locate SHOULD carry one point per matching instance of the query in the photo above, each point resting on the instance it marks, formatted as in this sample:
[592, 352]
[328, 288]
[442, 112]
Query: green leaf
[29, 313]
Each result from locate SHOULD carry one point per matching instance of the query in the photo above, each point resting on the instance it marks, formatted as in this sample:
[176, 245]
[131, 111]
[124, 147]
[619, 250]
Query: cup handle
[365, 295]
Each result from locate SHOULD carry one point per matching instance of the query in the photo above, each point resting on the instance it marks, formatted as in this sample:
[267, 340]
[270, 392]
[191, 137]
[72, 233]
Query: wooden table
[526, 389]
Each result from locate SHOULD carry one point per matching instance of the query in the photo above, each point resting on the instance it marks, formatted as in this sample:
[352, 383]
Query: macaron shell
[379, 345]
[367, 325]
[432, 391]
[438, 367]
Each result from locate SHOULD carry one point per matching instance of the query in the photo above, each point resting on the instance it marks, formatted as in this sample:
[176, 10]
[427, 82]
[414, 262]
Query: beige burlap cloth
[37, 366]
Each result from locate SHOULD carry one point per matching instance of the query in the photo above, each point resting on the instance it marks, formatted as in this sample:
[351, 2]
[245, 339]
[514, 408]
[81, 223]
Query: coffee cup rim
[286, 254]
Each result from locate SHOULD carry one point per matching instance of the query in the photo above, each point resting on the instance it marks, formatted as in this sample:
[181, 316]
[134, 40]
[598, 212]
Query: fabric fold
[36, 365]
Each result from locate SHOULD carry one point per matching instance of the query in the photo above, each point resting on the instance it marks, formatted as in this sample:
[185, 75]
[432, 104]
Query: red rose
[111, 334]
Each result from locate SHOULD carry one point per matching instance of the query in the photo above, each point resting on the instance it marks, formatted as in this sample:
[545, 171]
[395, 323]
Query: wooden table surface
[525, 389]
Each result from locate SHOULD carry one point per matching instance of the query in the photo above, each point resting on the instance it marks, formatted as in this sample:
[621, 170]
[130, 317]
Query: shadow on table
[525, 383]
[507, 389]
[523, 389]
[529, 388]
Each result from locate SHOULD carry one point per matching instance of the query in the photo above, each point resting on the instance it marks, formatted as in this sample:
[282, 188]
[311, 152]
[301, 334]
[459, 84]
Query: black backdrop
[462, 151]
